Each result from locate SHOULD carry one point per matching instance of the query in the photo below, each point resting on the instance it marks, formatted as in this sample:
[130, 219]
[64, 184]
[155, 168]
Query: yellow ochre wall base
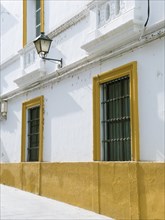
[121, 190]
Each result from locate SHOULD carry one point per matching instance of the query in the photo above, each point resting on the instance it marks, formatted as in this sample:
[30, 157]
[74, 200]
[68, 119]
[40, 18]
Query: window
[38, 18]
[33, 19]
[116, 136]
[32, 130]
[33, 133]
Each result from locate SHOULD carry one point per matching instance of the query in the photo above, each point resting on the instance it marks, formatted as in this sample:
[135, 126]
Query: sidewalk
[17, 204]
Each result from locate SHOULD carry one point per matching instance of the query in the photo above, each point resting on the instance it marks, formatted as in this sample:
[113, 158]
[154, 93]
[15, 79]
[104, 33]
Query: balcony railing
[113, 23]
[29, 57]
[108, 11]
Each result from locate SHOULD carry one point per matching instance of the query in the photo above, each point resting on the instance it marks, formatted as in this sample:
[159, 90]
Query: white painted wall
[158, 14]
[11, 28]
[10, 132]
[8, 74]
[66, 45]
[68, 110]
[151, 76]
[58, 12]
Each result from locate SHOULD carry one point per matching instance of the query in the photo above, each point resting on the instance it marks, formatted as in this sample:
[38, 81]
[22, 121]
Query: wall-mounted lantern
[42, 44]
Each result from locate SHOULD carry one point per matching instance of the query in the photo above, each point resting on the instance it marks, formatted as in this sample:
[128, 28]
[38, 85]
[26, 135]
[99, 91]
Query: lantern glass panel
[38, 46]
[45, 45]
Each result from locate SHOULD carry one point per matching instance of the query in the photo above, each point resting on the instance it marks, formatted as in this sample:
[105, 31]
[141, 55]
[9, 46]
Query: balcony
[113, 24]
[33, 68]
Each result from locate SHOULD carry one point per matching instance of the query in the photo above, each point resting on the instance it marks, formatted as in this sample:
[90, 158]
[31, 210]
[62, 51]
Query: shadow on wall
[8, 74]
[54, 53]
[63, 104]
[13, 119]
[160, 154]
[10, 132]
[7, 20]
[151, 105]
[58, 105]
[3, 157]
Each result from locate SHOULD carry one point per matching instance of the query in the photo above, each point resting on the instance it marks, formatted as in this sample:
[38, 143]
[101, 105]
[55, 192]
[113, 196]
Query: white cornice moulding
[9, 61]
[64, 25]
[75, 18]
[30, 79]
[108, 38]
[27, 48]
[32, 74]
[95, 3]
[154, 32]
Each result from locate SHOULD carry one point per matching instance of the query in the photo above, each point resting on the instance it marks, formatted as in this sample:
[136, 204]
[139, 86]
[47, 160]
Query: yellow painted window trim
[130, 70]
[42, 15]
[39, 101]
[25, 20]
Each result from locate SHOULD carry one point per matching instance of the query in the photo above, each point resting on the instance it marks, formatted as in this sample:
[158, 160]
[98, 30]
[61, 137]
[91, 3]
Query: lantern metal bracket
[51, 59]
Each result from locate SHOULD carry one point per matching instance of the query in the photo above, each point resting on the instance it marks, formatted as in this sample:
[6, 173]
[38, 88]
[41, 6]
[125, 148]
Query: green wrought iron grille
[33, 133]
[115, 120]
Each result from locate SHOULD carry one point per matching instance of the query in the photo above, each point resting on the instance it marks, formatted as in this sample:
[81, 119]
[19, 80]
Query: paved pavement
[17, 204]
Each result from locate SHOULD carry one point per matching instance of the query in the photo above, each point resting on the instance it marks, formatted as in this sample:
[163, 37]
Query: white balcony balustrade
[113, 23]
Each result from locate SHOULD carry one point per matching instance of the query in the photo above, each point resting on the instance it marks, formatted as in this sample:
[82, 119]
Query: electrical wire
[148, 16]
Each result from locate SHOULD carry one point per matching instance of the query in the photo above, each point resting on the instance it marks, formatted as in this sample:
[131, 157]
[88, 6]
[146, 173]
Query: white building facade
[105, 104]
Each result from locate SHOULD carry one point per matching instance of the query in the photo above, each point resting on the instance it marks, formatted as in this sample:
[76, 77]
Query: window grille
[115, 120]
[33, 133]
